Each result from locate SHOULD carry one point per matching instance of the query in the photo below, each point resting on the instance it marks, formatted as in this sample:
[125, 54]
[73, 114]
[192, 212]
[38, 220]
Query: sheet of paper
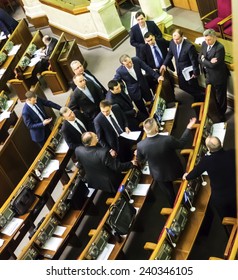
[133, 135]
[62, 148]
[164, 133]
[1, 242]
[4, 115]
[199, 40]
[91, 191]
[34, 60]
[9, 104]
[141, 189]
[59, 231]
[2, 36]
[2, 71]
[12, 226]
[169, 114]
[14, 50]
[187, 72]
[52, 244]
[219, 130]
[51, 167]
[106, 252]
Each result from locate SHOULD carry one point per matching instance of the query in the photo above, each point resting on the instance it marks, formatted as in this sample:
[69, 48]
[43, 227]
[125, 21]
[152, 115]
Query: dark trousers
[221, 97]
[140, 106]
[168, 189]
[192, 87]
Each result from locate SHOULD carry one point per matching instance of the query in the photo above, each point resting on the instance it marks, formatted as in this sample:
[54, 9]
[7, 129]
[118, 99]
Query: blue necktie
[158, 57]
[178, 49]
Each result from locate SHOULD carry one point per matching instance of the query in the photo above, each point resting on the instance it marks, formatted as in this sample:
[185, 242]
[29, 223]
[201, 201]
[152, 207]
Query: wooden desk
[5, 124]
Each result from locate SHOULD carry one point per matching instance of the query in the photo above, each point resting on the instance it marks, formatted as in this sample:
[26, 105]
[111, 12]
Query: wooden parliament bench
[185, 218]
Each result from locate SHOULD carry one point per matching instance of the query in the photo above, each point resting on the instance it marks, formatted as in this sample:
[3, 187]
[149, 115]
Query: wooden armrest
[195, 104]
[229, 221]
[166, 211]
[92, 232]
[186, 151]
[150, 246]
[109, 200]
[215, 259]
[209, 14]
[222, 22]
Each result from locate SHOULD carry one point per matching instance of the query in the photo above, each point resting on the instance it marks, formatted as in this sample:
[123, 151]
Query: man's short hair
[149, 125]
[63, 110]
[209, 32]
[140, 13]
[87, 138]
[179, 31]
[111, 84]
[73, 63]
[213, 143]
[105, 103]
[148, 34]
[75, 77]
[29, 94]
[46, 39]
[123, 57]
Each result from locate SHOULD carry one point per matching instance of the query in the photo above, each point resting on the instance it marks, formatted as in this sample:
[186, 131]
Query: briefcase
[23, 201]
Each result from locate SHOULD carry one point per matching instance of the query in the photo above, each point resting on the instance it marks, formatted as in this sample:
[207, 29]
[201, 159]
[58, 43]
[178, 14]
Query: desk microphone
[192, 208]
[204, 183]
[169, 232]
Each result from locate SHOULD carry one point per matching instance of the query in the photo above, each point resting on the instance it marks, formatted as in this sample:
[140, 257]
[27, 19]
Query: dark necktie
[158, 57]
[116, 126]
[40, 111]
[209, 48]
[82, 129]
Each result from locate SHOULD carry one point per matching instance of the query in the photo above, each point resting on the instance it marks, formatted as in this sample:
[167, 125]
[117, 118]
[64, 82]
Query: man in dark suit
[153, 54]
[221, 168]
[78, 69]
[7, 23]
[102, 171]
[86, 97]
[130, 72]
[160, 152]
[185, 55]
[35, 117]
[109, 124]
[74, 125]
[138, 30]
[117, 96]
[212, 60]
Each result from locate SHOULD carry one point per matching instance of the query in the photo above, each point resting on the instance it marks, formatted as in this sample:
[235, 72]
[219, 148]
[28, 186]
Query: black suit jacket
[147, 55]
[160, 152]
[71, 135]
[216, 73]
[50, 47]
[107, 136]
[7, 22]
[136, 37]
[79, 101]
[102, 171]
[220, 167]
[134, 87]
[188, 57]
[32, 120]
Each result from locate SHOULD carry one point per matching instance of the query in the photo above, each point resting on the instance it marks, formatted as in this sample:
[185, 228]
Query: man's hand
[113, 153]
[161, 78]
[214, 60]
[184, 176]
[127, 130]
[191, 123]
[47, 121]
[134, 162]
[163, 67]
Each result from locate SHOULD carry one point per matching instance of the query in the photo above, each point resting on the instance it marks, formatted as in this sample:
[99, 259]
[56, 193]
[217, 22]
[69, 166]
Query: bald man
[220, 166]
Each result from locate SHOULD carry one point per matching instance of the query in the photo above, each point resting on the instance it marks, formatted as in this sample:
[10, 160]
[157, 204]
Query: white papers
[14, 50]
[4, 115]
[52, 244]
[34, 60]
[133, 135]
[1, 242]
[187, 72]
[169, 114]
[2, 71]
[39, 53]
[2, 36]
[51, 167]
[164, 133]
[9, 104]
[91, 191]
[146, 169]
[141, 189]
[12, 226]
[106, 252]
[62, 148]
[199, 40]
[59, 230]
[219, 130]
